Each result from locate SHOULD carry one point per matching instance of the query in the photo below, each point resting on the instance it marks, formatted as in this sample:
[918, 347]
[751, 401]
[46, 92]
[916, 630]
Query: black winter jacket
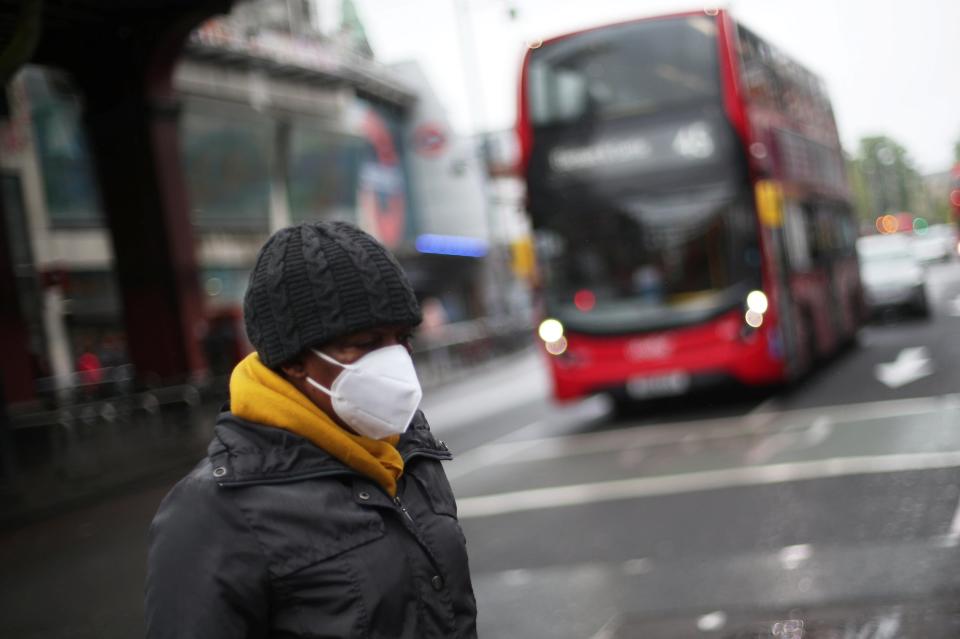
[272, 537]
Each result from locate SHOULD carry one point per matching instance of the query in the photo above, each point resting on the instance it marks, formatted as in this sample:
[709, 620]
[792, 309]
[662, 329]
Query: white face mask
[378, 394]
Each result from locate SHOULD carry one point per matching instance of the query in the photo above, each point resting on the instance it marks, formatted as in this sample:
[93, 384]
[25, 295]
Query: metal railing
[453, 350]
[93, 431]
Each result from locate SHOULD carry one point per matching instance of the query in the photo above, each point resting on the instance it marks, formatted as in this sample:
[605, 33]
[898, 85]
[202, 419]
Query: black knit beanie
[317, 281]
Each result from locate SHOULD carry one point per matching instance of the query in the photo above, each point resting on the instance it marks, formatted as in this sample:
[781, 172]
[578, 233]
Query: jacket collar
[250, 453]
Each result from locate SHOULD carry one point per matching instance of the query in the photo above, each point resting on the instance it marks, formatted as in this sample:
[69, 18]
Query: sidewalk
[493, 387]
[71, 461]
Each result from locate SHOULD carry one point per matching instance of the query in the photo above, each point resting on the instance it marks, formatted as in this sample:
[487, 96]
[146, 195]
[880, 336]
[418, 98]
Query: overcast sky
[892, 67]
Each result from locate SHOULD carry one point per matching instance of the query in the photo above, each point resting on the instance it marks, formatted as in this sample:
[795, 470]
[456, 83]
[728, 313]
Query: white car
[936, 244]
[892, 276]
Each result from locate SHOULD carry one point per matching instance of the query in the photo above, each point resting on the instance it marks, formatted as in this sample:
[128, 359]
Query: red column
[16, 382]
[131, 115]
[135, 145]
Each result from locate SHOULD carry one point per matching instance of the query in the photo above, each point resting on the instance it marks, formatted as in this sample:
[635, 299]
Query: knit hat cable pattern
[317, 281]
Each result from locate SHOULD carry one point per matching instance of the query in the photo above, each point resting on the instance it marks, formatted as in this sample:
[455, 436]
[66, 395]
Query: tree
[862, 199]
[884, 178]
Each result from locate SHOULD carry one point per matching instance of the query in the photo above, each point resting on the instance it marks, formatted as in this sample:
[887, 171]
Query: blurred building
[284, 116]
[452, 262]
[508, 214]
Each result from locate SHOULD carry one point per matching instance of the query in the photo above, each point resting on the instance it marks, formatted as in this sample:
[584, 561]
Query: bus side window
[822, 244]
[797, 237]
[833, 231]
[848, 232]
[755, 70]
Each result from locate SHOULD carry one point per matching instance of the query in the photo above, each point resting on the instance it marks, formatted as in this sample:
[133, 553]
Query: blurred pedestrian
[434, 316]
[112, 350]
[112, 356]
[89, 370]
[322, 509]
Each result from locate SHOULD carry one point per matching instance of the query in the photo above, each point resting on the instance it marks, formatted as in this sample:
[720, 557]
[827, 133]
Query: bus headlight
[757, 302]
[558, 347]
[757, 305]
[550, 330]
[753, 319]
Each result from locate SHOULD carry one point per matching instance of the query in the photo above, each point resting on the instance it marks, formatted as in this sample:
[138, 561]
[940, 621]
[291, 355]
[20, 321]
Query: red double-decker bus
[955, 193]
[687, 191]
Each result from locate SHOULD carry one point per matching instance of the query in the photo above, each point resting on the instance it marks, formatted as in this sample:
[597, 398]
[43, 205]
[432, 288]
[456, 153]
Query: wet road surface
[827, 510]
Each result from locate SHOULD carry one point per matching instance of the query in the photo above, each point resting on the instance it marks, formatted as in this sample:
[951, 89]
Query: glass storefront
[69, 183]
[358, 175]
[322, 173]
[226, 156]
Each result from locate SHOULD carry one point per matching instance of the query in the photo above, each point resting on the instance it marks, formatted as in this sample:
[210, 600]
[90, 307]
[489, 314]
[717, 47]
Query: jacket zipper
[414, 530]
[403, 509]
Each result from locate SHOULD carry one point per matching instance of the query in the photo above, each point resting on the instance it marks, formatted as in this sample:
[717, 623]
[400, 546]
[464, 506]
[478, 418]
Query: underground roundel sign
[429, 139]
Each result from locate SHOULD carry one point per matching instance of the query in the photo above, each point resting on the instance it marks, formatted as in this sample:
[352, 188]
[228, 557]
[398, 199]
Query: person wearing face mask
[322, 508]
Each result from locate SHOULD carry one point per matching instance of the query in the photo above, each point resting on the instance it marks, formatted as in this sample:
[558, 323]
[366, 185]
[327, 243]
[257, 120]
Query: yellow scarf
[260, 395]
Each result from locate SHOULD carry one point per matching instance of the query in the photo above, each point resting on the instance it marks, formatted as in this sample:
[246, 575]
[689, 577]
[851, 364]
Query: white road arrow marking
[911, 364]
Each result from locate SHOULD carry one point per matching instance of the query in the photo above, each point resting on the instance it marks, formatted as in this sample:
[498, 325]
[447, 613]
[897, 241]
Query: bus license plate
[658, 385]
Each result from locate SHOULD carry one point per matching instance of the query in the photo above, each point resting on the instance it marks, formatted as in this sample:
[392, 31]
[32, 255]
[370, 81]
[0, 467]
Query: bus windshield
[631, 69]
[650, 261]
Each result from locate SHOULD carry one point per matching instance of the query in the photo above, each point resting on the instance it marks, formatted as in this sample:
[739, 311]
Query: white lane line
[712, 621]
[766, 406]
[518, 383]
[867, 410]
[544, 448]
[547, 448]
[500, 450]
[952, 538]
[623, 489]
[516, 578]
[639, 566]
[791, 557]
[492, 452]
[761, 418]
[609, 629]
[951, 401]
[953, 535]
[692, 432]
[790, 439]
[955, 524]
